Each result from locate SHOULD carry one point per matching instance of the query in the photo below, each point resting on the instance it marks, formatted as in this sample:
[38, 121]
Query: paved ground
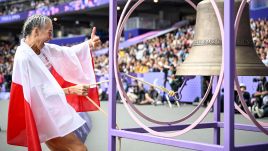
[97, 139]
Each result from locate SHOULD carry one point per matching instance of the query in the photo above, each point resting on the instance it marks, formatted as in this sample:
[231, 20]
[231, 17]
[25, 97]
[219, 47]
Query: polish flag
[21, 129]
[38, 108]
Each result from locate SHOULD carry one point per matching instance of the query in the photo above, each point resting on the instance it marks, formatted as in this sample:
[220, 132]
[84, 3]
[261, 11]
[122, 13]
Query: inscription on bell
[206, 42]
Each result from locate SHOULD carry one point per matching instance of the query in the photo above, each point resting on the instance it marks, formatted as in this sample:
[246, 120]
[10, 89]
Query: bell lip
[217, 1]
[208, 1]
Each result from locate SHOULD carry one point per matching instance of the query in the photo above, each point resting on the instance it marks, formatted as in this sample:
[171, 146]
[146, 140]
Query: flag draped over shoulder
[38, 109]
[67, 74]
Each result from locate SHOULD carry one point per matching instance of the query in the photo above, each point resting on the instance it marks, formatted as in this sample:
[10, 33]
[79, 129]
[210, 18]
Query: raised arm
[94, 40]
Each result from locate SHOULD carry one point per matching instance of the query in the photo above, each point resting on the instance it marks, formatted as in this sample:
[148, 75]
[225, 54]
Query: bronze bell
[206, 53]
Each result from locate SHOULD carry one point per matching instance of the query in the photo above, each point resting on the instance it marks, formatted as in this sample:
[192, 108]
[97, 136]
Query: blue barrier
[258, 4]
[259, 13]
[189, 93]
[53, 10]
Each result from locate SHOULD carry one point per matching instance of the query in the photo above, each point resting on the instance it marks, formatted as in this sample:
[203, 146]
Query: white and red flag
[38, 109]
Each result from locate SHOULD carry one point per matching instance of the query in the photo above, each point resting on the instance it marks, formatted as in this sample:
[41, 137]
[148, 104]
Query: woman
[37, 102]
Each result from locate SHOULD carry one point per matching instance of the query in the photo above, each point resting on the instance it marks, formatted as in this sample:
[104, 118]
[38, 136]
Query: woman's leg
[66, 143]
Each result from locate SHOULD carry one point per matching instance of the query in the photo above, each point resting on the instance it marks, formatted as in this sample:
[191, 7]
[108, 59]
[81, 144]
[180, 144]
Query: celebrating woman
[38, 110]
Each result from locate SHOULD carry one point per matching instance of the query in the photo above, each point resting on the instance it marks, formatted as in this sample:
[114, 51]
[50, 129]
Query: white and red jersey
[39, 109]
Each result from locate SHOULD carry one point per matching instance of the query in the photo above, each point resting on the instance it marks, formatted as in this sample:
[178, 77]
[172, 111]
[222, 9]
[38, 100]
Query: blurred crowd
[13, 7]
[160, 54]
[7, 51]
[259, 30]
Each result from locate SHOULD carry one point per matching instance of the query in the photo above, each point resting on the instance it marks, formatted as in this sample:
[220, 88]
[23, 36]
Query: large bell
[205, 56]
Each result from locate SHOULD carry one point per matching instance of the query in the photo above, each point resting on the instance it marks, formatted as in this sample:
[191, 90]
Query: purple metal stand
[229, 50]
[112, 84]
[228, 124]
[217, 116]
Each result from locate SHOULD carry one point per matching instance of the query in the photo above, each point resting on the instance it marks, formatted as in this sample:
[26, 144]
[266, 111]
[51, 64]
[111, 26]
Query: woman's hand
[80, 89]
[94, 41]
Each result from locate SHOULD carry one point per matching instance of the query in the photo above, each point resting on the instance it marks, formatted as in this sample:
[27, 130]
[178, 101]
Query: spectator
[205, 84]
[133, 92]
[175, 82]
[141, 94]
[1, 79]
[151, 97]
[245, 94]
[260, 100]
[261, 92]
